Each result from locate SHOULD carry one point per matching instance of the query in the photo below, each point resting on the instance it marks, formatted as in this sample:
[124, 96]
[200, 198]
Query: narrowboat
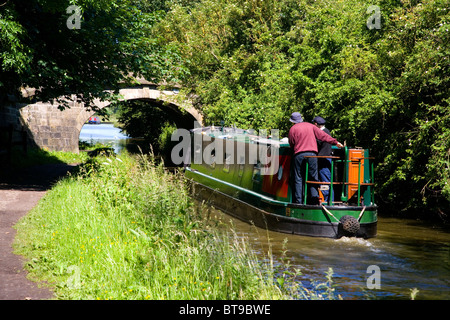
[248, 176]
[94, 120]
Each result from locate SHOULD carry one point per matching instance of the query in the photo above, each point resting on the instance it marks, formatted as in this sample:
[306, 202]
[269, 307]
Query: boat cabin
[262, 165]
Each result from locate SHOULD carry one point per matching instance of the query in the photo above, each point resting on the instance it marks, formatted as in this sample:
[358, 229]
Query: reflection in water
[104, 133]
[409, 256]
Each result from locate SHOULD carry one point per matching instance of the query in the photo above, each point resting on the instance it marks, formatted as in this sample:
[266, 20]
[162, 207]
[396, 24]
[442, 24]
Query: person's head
[296, 117]
[319, 121]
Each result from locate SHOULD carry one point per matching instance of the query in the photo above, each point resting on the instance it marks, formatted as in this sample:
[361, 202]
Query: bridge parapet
[55, 130]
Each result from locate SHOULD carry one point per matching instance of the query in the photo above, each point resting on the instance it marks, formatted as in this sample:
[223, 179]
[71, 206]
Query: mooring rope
[362, 212]
[359, 217]
[326, 210]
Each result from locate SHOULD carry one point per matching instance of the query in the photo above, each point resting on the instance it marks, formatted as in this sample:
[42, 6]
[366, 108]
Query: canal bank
[125, 228]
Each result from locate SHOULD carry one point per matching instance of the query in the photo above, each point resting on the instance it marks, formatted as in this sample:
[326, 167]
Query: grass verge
[124, 228]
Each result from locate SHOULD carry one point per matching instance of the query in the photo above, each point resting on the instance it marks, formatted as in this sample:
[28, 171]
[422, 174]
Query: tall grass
[124, 228]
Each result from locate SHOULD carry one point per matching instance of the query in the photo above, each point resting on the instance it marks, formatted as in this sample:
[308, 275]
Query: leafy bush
[252, 63]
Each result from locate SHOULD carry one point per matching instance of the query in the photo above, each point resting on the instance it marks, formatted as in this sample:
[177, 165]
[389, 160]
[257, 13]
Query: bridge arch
[55, 130]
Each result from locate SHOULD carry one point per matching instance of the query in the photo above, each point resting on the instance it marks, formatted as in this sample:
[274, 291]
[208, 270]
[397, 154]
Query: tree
[415, 55]
[252, 63]
[41, 47]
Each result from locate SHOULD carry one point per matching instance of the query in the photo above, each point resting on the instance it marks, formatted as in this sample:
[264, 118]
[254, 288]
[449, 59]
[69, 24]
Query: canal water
[408, 254]
[405, 255]
[104, 133]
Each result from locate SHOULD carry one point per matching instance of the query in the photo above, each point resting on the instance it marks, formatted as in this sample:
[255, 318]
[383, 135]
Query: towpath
[20, 191]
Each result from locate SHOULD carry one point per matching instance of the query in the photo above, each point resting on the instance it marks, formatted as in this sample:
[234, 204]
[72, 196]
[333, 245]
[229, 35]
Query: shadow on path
[20, 191]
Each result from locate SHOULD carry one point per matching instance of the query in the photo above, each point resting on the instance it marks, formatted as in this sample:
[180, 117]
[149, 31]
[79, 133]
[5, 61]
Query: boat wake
[358, 242]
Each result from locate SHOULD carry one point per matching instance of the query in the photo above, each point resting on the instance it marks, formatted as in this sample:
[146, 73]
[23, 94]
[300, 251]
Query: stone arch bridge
[55, 130]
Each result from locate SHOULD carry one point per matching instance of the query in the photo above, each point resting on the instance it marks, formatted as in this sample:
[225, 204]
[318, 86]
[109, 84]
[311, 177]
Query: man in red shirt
[302, 138]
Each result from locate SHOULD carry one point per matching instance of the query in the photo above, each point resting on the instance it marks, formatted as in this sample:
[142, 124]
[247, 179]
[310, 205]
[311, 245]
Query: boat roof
[245, 135]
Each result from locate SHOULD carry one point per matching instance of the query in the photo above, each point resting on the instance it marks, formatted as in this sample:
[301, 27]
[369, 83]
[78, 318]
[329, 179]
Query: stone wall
[52, 129]
[10, 115]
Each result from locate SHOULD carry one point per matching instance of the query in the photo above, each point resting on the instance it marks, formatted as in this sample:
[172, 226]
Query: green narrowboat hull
[291, 218]
[235, 181]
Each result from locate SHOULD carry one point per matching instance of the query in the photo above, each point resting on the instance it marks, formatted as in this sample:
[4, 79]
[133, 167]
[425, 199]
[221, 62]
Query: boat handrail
[344, 183]
[323, 157]
[331, 183]
[330, 202]
[370, 158]
[262, 197]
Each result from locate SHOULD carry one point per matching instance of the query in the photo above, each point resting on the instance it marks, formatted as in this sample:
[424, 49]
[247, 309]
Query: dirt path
[19, 193]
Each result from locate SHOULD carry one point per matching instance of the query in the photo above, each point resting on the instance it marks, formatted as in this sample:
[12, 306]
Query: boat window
[241, 165]
[226, 165]
[198, 148]
[280, 172]
[257, 172]
[213, 158]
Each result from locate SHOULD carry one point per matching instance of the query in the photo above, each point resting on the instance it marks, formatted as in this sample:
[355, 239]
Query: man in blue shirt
[324, 164]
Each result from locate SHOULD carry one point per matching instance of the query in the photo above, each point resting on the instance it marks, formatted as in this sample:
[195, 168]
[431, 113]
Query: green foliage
[124, 228]
[252, 63]
[165, 142]
[148, 121]
[112, 45]
[14, 55]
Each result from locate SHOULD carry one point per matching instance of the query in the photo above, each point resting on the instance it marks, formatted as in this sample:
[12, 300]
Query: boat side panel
[234, 164]
[271, 194]
[315, 213]
[298, 211]
[262, 219]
